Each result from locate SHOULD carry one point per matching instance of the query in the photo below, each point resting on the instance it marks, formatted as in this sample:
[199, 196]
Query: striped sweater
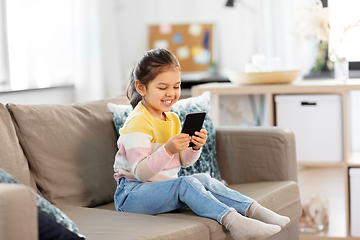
[142, 155]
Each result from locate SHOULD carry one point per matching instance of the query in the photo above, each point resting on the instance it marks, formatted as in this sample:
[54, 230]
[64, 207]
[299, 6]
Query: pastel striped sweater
[142, 155]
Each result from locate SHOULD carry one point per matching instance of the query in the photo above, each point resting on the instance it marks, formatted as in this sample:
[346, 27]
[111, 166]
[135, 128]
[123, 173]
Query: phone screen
[193, 122]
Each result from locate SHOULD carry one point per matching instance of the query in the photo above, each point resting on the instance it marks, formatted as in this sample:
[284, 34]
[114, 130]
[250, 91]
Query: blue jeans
[206, 196]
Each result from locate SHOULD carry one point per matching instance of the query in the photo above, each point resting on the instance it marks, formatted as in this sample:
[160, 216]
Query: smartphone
[193, 122]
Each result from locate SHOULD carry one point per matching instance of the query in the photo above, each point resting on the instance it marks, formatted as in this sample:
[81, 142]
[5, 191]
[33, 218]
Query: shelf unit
[350, 158]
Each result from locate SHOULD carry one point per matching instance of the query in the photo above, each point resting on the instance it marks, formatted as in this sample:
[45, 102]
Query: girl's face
[161, 93]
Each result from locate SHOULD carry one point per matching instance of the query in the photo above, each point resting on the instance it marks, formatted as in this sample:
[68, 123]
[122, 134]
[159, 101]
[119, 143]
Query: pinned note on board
[161, 44]
[182, 53]
[195, 29]
[165, 28]
[177, 39]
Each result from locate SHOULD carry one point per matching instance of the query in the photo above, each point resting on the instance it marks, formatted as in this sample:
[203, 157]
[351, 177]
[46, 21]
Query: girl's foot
[263, 214]
[242, 227]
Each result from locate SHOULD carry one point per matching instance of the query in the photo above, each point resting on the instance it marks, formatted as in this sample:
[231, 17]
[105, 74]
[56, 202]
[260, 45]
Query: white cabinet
[354, 174]
[316, 122]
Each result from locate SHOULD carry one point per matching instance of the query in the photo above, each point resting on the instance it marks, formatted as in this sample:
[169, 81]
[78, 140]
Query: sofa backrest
[70, 150]
[12, 158]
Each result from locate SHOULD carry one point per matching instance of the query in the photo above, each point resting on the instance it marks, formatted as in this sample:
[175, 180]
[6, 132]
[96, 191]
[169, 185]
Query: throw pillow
[120, 114]
[50, 229]
[52, 221]
[207, 163]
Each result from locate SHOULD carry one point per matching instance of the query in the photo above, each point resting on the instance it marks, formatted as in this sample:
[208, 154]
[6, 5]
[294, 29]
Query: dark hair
[151, 64]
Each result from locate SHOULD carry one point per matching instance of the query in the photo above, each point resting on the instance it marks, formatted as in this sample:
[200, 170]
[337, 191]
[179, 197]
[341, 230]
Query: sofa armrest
[254, 154]
[18, 212]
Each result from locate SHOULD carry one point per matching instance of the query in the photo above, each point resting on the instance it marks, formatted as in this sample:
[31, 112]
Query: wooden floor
[329, 184]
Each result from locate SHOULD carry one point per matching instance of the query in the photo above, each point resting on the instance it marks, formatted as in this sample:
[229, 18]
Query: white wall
[256, 26]
[55, 95]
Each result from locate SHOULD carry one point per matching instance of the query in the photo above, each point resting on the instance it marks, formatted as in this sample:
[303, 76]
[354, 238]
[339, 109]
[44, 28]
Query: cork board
[191, 43]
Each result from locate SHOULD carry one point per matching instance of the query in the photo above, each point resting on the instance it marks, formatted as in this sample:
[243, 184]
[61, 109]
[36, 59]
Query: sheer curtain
[39, 42]
[4, 68]
[47, 43]
[97, 55]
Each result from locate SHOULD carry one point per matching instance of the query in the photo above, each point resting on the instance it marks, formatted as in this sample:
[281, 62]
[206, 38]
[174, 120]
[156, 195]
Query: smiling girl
[152, 150]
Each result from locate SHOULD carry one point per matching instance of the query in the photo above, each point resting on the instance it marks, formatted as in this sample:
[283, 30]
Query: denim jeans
[206, 196]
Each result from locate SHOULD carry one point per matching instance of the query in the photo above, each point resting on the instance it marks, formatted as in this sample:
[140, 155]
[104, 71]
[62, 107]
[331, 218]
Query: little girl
[152, 150]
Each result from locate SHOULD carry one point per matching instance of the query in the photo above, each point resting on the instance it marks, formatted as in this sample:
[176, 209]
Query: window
[36, 43]
[4, 75]
[344, 17]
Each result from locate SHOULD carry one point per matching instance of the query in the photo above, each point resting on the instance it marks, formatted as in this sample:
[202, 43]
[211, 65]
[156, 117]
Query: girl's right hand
[177, 143]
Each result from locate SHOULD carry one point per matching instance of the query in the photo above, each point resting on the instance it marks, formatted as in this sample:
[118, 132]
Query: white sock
[263, 214]
[242, 227]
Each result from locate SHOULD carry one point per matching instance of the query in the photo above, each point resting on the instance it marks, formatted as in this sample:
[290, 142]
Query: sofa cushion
[120, 114]
[280, 196]
[51, 219]
[70, 150]
[109, 225]
[216, 230]
[207, 162]
[12, 158]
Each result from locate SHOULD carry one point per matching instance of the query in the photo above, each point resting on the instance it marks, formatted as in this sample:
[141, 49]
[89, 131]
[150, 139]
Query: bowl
[263, 77]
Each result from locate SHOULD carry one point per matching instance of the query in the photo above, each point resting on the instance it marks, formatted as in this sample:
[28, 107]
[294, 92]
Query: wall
[53, 95]
[256, 26]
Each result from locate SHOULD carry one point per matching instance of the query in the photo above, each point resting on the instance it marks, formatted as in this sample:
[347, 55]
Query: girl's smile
[168, 102]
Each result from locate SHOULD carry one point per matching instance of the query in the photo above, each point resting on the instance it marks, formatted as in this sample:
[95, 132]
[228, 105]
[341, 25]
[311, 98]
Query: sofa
[65, 154]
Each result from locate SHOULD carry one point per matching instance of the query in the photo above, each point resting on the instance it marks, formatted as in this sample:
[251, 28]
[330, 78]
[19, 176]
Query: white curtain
[4, 76]
[280, 37]
[97, 56]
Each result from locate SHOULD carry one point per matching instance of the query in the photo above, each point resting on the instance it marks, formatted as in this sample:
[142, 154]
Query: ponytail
[131, 92]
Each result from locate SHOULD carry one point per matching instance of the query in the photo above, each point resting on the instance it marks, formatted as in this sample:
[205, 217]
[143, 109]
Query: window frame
[4, 54]
[355, 65]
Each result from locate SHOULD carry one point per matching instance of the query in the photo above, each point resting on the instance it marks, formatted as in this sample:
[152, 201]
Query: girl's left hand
[199, 139]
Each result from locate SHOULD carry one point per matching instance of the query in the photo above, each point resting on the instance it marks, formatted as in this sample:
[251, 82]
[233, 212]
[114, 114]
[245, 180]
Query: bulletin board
[190, 43]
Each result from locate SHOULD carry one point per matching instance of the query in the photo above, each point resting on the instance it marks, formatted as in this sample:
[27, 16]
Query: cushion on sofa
[280, 196]
[70, 150]
[120, 114]
[12, 158]
[109, 225]
[50, 229]
[53, 223]
[207, 162]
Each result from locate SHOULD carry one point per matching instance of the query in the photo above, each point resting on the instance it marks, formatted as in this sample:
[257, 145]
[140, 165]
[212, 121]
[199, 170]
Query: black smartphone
[193, 122]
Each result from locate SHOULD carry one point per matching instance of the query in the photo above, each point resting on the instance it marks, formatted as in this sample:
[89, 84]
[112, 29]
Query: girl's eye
[177, 87]
[162, 88]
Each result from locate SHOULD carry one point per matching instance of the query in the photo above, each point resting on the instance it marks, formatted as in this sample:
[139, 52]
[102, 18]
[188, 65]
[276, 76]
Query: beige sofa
[66, 153]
